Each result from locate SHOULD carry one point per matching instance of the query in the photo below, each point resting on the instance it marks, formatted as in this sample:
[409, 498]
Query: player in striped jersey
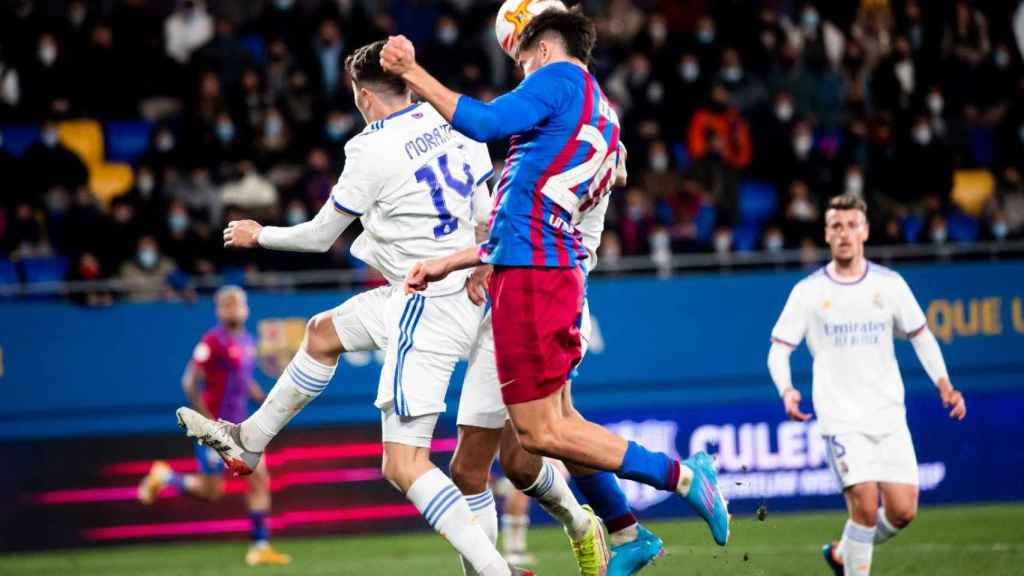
[563, 150]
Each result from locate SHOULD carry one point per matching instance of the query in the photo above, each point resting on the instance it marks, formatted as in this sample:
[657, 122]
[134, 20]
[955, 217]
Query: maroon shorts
[535, 314]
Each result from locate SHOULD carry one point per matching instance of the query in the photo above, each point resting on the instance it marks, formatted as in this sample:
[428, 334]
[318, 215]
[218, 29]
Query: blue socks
[260, 530]
[177, 480]
[652, 468]
[605, 496]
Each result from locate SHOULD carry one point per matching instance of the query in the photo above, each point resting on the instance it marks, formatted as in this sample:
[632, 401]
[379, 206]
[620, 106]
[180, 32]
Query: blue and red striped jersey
[563, 152]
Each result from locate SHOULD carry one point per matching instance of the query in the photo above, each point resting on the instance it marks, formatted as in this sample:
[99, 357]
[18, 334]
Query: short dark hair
[848, 202]
[364, 67]
[575, 29]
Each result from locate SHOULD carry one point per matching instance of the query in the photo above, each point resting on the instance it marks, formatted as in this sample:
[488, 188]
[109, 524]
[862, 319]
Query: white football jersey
[411, 178]
[849, 328]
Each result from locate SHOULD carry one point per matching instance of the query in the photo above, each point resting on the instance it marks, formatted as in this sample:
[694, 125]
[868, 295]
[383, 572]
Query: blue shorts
[210, 462]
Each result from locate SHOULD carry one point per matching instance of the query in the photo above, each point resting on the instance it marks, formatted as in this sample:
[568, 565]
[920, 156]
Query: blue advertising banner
[667, 344]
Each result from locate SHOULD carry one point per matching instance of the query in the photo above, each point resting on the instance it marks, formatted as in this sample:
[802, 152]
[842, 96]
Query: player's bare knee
[901, 516]
[468, 474]
[321, 340]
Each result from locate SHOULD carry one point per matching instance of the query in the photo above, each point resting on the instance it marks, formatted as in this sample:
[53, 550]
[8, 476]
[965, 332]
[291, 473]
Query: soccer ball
[514, 15]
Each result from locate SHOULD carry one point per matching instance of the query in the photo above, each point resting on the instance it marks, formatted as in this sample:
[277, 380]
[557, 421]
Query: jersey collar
[405, 110]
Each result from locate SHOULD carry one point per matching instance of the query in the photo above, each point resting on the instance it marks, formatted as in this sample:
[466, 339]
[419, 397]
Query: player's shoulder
[812, 280]
[885, 274]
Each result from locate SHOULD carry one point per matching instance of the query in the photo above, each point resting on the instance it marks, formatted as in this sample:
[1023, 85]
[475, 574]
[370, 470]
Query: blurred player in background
[218, 383]
[413, 182]
[563, 151]
[849, 311]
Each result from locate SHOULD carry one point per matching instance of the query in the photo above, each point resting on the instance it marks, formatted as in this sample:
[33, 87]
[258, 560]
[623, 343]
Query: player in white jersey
[849, 311]
[412, 181]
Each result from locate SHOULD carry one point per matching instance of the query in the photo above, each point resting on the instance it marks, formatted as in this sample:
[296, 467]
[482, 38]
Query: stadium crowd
[741, 118]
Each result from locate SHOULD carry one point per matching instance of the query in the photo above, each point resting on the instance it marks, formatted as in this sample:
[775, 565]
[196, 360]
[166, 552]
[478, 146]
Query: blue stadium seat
[256, 48]
[758, 201]
[8, 272]
[962, 228]
[746, 237]
[45, 269]
[18, 137]
[127, 141]
[912, 226]
[705, 221]
[233, 275]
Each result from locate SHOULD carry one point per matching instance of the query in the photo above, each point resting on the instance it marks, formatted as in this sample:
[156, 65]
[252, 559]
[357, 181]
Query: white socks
[884, 530]
[303, 380]
[444, 508]
[858, 545]
[553, 494]
[513, 533]
[482, 506]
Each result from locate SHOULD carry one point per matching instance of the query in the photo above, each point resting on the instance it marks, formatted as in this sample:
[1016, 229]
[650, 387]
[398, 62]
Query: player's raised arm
[910, 319]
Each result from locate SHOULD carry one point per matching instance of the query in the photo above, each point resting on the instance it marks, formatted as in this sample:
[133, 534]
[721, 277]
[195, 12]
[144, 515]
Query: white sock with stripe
[884, 530]
[482, 505]
[858, 546]
[302, 380]
[447, 512]
[553, 494]
[513, 533]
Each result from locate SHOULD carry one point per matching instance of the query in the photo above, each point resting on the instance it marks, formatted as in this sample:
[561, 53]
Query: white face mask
[148, 257]
[1000, 230]
[922, 135]
[774, 243]
[448, 35]
[723, 242]
[689, 70]
[659, 32]
[784, 111]
[938, 235]
[47, 54]
[659, 162]
[802, 145]
[145, 183]
[1002, 59]
[165, 142]
[854, 183]
[732, 74]
[935, 103]
[273, 127]
[50, 138]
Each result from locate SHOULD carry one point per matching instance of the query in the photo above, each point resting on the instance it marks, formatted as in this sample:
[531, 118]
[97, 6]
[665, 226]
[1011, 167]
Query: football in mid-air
[514, 15]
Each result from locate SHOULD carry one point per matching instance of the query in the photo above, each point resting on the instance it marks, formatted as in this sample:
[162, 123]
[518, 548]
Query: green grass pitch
[974, 541]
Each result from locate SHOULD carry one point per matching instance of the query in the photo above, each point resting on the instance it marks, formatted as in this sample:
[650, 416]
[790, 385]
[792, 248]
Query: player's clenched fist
[242, 234]
[791, 400]
[398, 55]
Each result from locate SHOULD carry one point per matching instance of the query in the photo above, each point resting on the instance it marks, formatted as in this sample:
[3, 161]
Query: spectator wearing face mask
[687, 90]
[26, 235]
[722, 119]
[186, 29]
[274, 143]
[198, 192]
[802, 217]
[328, 62]
[48, 82]
[180, 243]
[896, 80]
[10, 87]
[771, 127]
[923, 180]
[52, 165]
[146, 273]
[745, 90]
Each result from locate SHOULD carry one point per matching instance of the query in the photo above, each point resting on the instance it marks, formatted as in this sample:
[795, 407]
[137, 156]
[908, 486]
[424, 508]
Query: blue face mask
[148, 257]
[177, 222]
[296, 217]
[1000, 230]
[284, 4]
[226, 132]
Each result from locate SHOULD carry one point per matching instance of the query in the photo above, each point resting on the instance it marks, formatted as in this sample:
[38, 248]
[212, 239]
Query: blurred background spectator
[742, 119]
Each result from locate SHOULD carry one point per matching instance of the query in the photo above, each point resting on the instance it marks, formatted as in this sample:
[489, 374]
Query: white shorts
[415, 431]
[481, 404]
[856, 458]
[423, 336]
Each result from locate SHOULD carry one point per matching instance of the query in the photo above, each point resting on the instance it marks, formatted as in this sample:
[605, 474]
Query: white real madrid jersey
[411, 178]
[849, 328]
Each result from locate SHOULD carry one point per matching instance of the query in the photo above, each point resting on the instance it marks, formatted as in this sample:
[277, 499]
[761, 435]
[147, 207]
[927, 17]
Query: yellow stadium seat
[972, 190]
[107, 181]
[85, 138]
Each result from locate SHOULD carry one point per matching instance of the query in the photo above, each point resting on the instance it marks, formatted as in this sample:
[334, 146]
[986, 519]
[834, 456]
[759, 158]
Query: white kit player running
[413, 183]
[849, 311]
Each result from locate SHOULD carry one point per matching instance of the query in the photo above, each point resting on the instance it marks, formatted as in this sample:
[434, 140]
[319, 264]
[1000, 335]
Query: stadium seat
[18, 137]
[256, 48]
[705, 222]
[982, 142]
[127, 141]
[45, 269]
[8, 272]
[85, 138]
[912, 226]
[107, 181]
[972, 189]
[758, 201]
[234, 275]
[962, 228]
[746, 237]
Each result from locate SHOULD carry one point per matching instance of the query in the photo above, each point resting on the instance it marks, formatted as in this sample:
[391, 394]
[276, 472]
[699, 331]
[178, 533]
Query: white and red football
[514, 15]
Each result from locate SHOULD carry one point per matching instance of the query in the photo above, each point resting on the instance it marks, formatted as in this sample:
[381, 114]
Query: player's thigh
[361, 321]
[862, 502]
[480, 403]
[429, 335]
[897, 459]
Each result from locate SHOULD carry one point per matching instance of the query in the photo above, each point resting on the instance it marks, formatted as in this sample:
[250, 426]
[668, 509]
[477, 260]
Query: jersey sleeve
[536, 98]
[910, 319]
[205, 353]
[358, 186]
[791, 326]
